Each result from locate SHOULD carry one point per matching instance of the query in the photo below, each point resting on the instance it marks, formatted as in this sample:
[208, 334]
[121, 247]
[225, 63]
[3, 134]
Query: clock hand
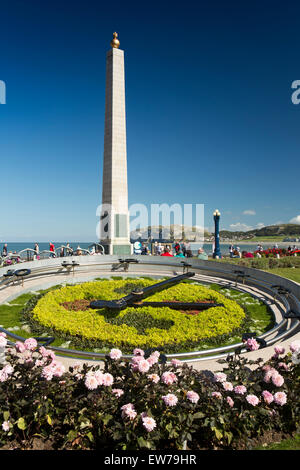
[138, 295]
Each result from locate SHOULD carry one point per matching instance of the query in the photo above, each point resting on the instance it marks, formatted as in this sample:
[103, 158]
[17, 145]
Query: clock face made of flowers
[134, 299]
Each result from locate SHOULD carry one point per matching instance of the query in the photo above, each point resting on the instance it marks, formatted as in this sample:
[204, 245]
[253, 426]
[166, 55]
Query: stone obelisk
[114, 223]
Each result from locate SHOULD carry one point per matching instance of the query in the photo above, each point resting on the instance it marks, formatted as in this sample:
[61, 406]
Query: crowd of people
[177, 250]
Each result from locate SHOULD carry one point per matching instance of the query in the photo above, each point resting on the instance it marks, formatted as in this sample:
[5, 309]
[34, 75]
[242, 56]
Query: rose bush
[144, 402]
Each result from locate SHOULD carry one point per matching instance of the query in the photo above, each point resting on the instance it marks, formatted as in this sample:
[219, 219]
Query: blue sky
[208, 100]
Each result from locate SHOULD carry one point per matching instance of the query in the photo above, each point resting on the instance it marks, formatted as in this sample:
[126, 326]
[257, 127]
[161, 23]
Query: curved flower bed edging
[146, 327]
[143, 403]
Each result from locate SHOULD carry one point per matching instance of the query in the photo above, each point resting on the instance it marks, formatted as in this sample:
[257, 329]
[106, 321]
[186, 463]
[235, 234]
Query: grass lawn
[286, 444]
[275, 238]
[290, 273]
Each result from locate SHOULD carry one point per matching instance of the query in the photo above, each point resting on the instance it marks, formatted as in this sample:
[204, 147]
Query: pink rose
[277, 380]
[267, 396]
[148, 423]
[20, 347]
[252, 400]
[115, 354]
[295, 346]
[220, 377]
[240, 390]
[192, 396]
[280, 398]
[170, 399]
[230, 401]
[154, 378]
[91, 381]
[168, 378]
[143, 366]
[279, 350]
[30, 344]
[227, 386]
[108, 380]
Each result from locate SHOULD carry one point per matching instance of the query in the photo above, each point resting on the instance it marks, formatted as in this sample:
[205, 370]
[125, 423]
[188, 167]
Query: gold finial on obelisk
[115, 42]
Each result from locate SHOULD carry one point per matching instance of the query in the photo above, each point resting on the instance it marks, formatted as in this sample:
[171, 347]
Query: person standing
[4, 251]
[177, 248]
[52, 249]
[37, 251]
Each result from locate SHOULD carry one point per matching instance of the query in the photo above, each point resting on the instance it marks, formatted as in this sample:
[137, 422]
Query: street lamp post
[217, 252]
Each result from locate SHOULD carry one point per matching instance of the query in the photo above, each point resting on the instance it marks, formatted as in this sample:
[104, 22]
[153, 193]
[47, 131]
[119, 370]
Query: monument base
[117, 249]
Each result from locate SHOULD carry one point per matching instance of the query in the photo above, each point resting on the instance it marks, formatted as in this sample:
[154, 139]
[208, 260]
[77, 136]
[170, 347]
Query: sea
[208, 247]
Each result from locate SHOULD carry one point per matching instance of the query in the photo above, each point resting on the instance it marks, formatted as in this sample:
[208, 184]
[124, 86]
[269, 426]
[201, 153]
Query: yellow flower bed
[93, 325]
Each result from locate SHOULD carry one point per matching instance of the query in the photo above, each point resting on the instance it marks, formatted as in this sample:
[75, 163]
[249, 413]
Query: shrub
[144, 402]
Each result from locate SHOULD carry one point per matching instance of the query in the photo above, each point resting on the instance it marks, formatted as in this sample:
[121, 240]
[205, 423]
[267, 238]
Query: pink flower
[170, 399]
[138, 352]
[220, 377]
[279, 350]
[91, 381]
[176, 362]
[227, 386]
[267, 396]
[240, 390]
[118, 392]
[115, 354]
[108, 380]
[3, 334]
[280, 398]
[47, 372]
[143, 366]
[30, 344]
[269, 374]
[216, 394]
[128, 411]
[154, 378]
[192, 396]
[8, 369]
[99, 376]
[153, 359]
[58, 369]
[5, 426]
[277, 380]
[283, 365]
[135, 362]
[168, 378]
[252, 400]
[148, 423]
[230, 401]
[3, 376]
[295, 346]
[252, 344]
[3, 342]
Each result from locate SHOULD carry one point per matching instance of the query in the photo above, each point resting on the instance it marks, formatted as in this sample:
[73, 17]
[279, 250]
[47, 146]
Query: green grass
[289, 273]
[285, 444]
[270, 239]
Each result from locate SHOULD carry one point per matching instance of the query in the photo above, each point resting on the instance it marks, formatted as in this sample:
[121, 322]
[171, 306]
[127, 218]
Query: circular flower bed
[65, 311]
